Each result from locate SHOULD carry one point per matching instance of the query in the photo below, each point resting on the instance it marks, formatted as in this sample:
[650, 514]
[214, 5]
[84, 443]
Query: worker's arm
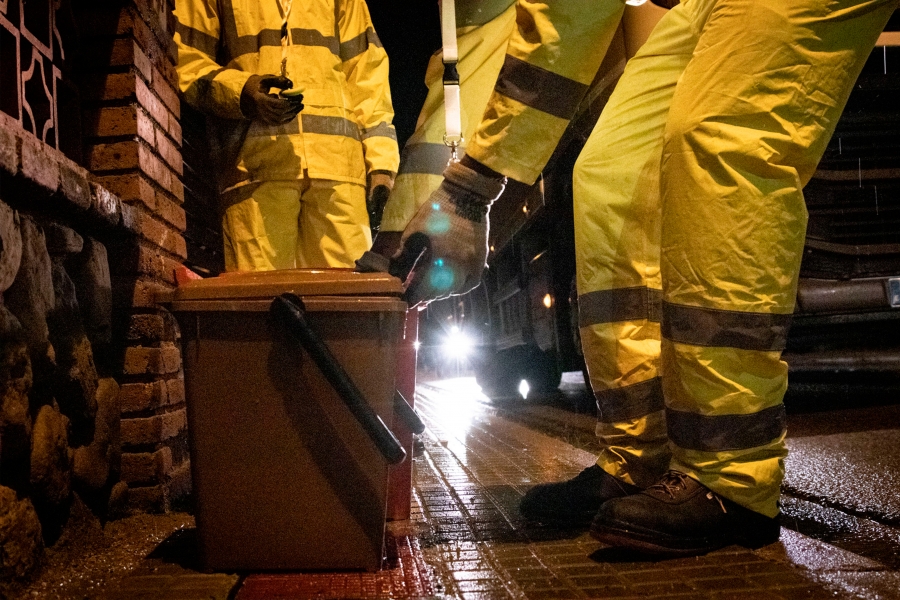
[365, 66]
[205, 84]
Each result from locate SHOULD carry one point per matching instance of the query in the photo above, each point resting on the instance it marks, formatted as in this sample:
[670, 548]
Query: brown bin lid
[303, 282]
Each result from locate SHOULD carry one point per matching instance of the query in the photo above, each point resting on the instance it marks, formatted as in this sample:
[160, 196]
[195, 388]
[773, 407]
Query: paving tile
[724, 584]
[595, 581]
[608, 591]
[553, 594]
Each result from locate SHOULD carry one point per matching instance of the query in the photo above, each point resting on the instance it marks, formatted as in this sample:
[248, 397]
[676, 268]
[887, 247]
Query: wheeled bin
[285, 477]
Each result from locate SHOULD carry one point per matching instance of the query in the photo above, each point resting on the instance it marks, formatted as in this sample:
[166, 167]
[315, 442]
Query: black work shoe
[678, 516]
[573, 502]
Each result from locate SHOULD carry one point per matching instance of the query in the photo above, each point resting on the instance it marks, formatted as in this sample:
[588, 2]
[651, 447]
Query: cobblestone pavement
[466, 539]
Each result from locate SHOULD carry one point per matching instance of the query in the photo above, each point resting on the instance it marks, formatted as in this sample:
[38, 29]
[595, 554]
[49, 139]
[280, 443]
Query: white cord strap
[285, 6]
[450, 55]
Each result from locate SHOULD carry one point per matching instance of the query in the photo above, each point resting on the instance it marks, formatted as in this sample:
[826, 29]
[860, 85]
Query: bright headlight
[457, 344]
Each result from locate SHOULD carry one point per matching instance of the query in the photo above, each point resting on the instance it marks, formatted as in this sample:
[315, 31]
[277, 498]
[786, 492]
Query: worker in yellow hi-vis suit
[294, 184]
[690, 225]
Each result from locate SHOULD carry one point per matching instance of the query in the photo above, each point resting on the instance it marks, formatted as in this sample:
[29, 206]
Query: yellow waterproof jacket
[345, 130]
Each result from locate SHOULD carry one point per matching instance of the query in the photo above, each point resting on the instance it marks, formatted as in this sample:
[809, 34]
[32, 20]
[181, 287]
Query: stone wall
[92, 407]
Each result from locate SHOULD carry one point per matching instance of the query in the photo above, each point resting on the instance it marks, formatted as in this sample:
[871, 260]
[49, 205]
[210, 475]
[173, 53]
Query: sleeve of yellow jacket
[552, 56]
[365, 66]
[205, 84]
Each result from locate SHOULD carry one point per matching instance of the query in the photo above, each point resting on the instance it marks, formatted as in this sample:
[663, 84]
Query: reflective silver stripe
[329, 126]
[250, 44]
[539, 88]
[381, 130]
[622, 304]
[724, 328]
[725, 432]
[198, 40]
[630, 402]
[479, 12]
[359, 44]
[430, 159]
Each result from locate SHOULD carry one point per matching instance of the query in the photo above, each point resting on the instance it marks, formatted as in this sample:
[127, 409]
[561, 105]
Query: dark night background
[410, 32]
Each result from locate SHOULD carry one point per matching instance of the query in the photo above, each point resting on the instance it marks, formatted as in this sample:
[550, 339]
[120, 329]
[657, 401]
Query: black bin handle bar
[289, 313]
[408, 414]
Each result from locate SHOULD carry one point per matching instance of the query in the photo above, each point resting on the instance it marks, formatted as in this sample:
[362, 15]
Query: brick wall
[132, 146]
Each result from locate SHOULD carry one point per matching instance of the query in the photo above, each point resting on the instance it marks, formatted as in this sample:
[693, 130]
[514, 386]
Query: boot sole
[644, 543]
[622, 538]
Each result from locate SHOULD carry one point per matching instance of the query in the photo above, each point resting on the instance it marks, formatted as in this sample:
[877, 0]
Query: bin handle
[408, 414]
[289, 313]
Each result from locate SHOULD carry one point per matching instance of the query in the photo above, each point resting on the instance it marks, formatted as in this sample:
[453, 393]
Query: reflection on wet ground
[466, 538]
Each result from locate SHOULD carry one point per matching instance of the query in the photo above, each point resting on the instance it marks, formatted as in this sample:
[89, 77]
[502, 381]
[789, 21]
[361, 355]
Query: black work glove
[444, 247]
[258, 104]
[377, 193]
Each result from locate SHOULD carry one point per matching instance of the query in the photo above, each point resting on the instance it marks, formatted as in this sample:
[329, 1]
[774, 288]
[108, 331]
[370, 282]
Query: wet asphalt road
[841, 492]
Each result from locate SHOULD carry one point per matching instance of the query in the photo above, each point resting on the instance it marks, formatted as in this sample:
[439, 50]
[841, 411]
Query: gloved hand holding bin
[450, 232]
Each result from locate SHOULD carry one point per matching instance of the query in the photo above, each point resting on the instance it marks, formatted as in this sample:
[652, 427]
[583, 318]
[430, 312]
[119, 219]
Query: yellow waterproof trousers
[302, 223]
[690, 225]
[482, 50]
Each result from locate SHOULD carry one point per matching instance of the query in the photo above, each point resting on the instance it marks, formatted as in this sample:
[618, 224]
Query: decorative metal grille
[32, 64]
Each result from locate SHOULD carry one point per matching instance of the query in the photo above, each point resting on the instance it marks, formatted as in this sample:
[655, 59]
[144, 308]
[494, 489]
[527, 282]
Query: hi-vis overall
[690, 225]
[294, 193]
[689, 213]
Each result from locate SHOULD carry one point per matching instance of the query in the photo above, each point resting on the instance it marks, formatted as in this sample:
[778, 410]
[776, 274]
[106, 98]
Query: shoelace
[673, 481]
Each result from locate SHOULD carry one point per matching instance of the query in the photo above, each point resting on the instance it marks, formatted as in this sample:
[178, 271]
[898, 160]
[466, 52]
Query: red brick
[174, 131]
[112, 121]
[171, 212]
[138, 291]
[140, 360]
[105, 205]
[114, 156]
[146, 259]
[169, 152]
[131, 187]
[138, 397]
[149, 499]
[73, 184]
[38, 163]
[9, 145]
[155, 429]
[146, 467]
[158, 15]
[133, 154]
[175, 388]
[166, 89]
[153, 105]
[162, 235]
[126, 52]
[155, 327]
[110, 86]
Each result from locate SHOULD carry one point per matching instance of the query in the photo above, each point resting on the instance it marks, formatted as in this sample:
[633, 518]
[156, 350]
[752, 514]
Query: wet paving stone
[466, 540]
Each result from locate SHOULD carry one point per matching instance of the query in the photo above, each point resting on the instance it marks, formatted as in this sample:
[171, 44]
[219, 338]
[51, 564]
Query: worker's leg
[482, 49]
[616, 190]
[260, 233]
[749, 122]
[334, 224]
[617, 233]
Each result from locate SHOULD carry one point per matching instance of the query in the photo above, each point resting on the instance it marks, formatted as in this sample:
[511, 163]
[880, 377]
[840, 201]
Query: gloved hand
[379, 189]
[258, 104]
[446, 243]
